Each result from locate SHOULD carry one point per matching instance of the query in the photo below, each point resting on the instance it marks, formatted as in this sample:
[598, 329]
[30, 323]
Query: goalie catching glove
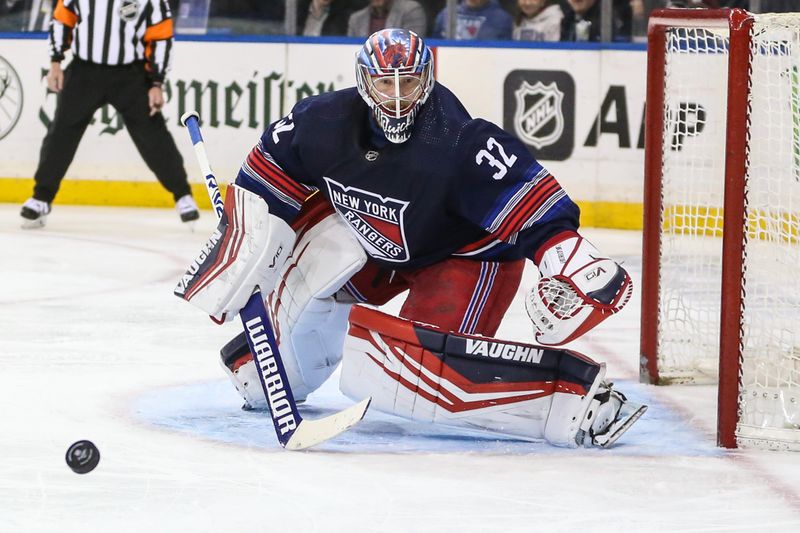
[578, 289]
[246, 251]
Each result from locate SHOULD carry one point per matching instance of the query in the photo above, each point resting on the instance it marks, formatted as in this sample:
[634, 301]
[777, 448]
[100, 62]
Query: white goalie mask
[394, 73]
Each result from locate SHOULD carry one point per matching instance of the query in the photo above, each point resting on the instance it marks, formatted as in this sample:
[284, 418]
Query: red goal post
[721, 243]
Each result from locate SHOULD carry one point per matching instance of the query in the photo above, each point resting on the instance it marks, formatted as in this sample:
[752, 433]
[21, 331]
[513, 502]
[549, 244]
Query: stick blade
[312, 432]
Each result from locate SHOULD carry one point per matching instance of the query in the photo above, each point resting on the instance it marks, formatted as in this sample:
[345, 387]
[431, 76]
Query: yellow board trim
[762, 224]
[614, 215]
[97, 192]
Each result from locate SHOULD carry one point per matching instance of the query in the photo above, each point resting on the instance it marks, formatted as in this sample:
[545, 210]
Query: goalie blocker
[246, 251]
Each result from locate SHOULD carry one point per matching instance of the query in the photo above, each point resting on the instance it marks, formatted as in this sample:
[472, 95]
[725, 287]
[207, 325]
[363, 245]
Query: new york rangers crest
[377, 221]
[539, 118]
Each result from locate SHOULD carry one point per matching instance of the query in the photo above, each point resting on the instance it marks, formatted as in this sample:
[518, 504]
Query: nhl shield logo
[539, 117]
[378, 222]
[129, 10]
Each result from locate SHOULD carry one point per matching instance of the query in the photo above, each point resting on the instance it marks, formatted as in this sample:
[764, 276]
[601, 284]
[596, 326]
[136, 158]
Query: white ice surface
[93, 345]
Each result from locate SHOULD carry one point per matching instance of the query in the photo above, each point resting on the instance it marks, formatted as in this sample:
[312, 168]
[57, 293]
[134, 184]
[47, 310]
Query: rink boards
[580, 110]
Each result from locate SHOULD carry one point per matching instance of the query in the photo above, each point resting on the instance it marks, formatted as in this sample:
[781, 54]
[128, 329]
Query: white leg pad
[366, 372]
[568, 413]
[309, 323]
[385, 358]
[420, 372]
[315, 345]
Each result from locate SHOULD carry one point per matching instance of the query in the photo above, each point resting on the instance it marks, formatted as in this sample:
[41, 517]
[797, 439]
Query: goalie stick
[293, 431]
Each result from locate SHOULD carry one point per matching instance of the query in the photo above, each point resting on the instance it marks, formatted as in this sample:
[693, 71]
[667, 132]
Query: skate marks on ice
[211, 411]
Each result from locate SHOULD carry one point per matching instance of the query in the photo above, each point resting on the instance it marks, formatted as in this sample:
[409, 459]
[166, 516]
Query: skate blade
[621, 426]
[33, 224]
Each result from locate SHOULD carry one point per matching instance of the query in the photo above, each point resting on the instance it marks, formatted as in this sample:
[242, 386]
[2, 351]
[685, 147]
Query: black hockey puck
[83, 456]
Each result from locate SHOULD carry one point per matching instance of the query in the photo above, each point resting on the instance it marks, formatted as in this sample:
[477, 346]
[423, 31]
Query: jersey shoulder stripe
[524, 207]
[263, 186]
[265, 166]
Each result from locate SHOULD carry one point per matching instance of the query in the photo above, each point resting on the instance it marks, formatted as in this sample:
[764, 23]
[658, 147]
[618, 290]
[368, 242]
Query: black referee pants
[87, 87]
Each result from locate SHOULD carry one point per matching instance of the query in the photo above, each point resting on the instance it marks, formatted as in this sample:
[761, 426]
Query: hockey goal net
[721, 255]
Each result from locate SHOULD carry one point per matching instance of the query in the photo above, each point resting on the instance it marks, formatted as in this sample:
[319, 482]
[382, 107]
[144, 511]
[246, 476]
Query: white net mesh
[695, 100]
[771, 317]
[693, 177]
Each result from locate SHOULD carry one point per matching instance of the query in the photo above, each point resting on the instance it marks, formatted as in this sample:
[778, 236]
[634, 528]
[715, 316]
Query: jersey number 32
[501, 166]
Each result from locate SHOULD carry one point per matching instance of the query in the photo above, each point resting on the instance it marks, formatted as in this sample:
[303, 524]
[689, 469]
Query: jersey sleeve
[158, 39]
[505, 191]
[61, 27]
[274, 170]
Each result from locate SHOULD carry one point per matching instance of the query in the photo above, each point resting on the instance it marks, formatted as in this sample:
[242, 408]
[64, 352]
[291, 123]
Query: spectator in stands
[13, 15]
[582, 21]
[538, 20]
[380, 14]
[477, 20]
[639, 14]
[323, 17]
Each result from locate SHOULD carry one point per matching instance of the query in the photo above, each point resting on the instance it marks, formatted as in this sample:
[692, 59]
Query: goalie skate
[613, 416]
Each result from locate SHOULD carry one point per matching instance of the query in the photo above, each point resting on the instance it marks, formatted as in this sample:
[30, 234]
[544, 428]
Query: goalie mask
[394, 73]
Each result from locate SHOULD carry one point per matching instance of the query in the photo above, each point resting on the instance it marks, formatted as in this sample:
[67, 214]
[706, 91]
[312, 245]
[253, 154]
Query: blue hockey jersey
[458, 187]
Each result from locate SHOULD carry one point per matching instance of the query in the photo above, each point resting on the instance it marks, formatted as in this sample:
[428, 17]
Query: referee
[121, 53]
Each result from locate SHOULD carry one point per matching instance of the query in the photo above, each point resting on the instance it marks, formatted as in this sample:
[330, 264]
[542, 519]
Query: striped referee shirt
[114, 32]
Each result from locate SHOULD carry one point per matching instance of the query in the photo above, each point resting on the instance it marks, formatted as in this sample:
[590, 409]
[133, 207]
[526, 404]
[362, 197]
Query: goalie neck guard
[394, 74]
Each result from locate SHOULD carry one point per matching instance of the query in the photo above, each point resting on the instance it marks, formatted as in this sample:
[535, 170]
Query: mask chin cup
[396, 130]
